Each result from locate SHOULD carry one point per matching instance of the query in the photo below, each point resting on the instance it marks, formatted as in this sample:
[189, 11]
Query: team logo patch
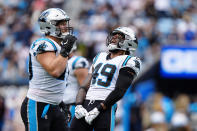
[43, 16]
[41, 47]
[137, 64]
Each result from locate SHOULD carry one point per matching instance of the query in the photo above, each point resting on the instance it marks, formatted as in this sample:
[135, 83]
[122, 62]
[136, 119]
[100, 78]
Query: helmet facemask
[63, 29]
[126, 40]
[115, 40]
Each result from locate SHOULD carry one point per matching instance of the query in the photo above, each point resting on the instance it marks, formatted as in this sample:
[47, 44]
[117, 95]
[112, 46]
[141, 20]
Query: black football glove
[66, 110]
[68, 115]
[67, 45]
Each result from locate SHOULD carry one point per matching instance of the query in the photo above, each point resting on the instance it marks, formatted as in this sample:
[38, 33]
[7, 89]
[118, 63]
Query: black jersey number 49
[106, 70]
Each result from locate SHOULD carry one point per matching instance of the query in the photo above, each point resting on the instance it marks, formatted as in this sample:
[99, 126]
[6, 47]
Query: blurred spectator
[158, 122]
[180, 119]
[150, 9]
[2, 111]
[180, 122]
[182, 103]
[193, 112]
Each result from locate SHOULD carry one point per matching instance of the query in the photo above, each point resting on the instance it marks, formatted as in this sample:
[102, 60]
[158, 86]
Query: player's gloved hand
[67, 45]
[68, 114]
[66, 110]
[92, 115]
[68, 117]
[80, 112]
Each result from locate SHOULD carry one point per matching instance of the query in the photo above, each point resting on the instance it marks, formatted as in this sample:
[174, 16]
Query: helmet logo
[137, 64]
[43, 16]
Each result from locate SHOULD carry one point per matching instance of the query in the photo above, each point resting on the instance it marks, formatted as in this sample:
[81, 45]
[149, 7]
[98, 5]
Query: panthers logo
[41, 48]
[43, 16]
[137, 63]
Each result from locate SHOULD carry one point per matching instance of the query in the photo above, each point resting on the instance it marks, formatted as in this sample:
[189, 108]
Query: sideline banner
[178, 62]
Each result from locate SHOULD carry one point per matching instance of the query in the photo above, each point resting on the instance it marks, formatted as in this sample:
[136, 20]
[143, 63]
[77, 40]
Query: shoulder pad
[42, 45]
[80, 62]
[96, 57]
[134, 63]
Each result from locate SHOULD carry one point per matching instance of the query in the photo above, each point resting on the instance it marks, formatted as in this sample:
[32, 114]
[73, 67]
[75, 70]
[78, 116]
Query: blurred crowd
[157, 23]
[159, 113]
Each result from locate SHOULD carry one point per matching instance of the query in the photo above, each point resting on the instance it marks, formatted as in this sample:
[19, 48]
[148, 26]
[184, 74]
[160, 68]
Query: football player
[48, 58]
[111, 75]
[77, 71]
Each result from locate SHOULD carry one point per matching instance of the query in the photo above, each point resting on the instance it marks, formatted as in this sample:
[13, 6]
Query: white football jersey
[42, 86]
[72, 85]
[106, 73]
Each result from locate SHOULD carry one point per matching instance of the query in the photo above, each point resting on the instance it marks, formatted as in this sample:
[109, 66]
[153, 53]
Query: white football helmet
[127, 43]
[49, 19]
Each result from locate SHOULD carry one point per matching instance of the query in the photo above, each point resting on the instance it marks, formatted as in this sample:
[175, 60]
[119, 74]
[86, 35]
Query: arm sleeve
[125, 78]
[81, 95]
[83, 90]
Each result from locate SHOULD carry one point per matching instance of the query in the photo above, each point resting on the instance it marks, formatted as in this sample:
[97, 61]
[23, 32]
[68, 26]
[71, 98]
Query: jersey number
[107, 70]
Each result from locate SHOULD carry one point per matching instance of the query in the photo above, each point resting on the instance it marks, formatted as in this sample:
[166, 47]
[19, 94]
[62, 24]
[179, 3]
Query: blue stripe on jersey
[126, 60]
[46, 108]
[113, 112]
[55, 48]
[32, 115]
[95, 59]
[75, 61]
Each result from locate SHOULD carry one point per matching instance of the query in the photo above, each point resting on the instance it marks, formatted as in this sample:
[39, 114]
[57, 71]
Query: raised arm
[54, 65]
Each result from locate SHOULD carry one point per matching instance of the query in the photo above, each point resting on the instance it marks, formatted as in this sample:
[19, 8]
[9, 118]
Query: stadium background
[165, 102]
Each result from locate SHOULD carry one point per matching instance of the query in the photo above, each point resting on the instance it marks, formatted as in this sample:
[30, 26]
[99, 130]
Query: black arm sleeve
[125, 78]
[81, 95]
[83, 90]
